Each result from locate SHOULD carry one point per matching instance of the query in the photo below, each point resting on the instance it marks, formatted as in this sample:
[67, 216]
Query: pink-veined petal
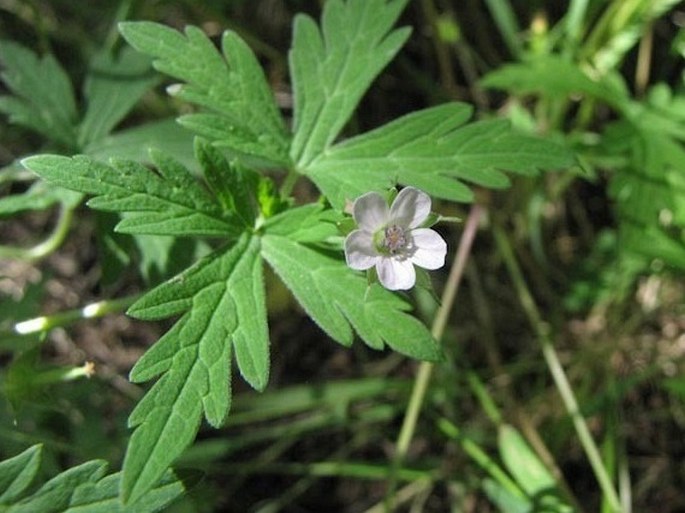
[371, 212]
[410, 208]
[395, 274]
[360, 252]
[429, 248]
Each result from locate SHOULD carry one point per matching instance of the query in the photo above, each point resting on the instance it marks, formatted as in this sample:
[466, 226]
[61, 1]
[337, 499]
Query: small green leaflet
[339, 300]
[433, 150]
[223, 300]
[331, 69]
[82, 489]
[244, 117]
[168, 203]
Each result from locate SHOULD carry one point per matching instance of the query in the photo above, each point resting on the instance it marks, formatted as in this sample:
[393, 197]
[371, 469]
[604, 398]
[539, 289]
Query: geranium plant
[250, 157]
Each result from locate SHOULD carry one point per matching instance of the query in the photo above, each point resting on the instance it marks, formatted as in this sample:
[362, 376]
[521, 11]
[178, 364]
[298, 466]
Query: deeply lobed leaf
[244, 116]
[43, 96]
[82, 489]
[223, 299]
[168, 203]
[434, 150]
[333, 67]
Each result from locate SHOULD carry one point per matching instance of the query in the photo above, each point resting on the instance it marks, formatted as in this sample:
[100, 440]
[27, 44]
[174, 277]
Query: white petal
[395, 274]
[410, 208]
[371, 212]
[360, 252]
[429, 248]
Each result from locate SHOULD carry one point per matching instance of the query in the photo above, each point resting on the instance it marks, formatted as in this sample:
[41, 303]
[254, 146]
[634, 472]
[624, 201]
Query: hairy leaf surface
[81, 489]
[169, 203]
[434, 150]
[341, 302]
[222, 297]
[243, 114]
[333, 67]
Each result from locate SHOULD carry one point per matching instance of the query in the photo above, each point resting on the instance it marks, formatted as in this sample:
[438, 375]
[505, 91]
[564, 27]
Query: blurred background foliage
[601, 248]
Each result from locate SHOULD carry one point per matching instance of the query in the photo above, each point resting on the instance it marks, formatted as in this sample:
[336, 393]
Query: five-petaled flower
[391, 238]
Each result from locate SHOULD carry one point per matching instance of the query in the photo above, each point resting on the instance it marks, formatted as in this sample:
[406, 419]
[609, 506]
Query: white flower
[391, 240]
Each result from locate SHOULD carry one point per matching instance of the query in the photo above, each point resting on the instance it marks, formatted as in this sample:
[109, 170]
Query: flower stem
[62, 374]
[45, 323]
[542, 331]
[425, 371]
[46, 247]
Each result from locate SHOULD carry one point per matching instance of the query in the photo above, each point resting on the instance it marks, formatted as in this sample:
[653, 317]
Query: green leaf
[333, 67]
[82, 489]
[505, 500]
[555, 76]
[113, 86]
[134, 143]
[308, 223]
[340, 301]
[17, 473]
[244, 116]
[55, 495]
[43, 96]
[223, 300]
[649, 191]
[522, 462]
[168, 203]
[234, 185]
[530, 473]
[269, 198]
[433, 150]
[103, 496]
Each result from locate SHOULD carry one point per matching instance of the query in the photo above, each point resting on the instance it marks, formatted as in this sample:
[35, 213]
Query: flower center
[394, 239]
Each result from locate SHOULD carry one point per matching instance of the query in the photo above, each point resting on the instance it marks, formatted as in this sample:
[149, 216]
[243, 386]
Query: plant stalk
[542, 332]
[425, 371]
[46, 323]
[46, 247]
